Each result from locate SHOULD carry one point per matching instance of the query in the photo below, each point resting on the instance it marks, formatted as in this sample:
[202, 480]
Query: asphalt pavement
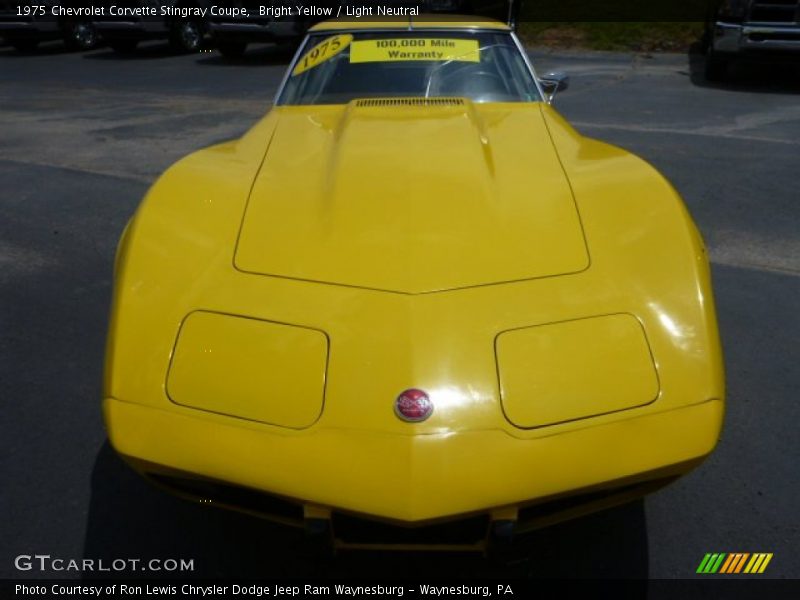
[84, 135]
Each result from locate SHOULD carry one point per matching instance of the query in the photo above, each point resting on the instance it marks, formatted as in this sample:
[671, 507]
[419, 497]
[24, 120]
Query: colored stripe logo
[734, 562]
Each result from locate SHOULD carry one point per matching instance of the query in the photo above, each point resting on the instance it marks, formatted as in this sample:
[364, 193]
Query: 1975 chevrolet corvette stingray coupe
[412, 295]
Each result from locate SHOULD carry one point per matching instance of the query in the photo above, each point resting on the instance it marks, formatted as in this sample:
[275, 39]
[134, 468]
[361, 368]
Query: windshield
[481, 66]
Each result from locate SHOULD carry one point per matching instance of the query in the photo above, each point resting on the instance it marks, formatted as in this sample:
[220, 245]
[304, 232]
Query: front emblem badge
[413, 406]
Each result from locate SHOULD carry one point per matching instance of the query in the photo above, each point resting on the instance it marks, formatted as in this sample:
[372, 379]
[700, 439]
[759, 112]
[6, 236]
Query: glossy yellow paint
[410, 478]
[467, 203]
[575, 369]
[252, 369]
[396, 317]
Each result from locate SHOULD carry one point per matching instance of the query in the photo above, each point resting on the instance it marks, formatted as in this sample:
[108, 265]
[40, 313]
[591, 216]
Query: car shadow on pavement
[129, 518]
[750, 74]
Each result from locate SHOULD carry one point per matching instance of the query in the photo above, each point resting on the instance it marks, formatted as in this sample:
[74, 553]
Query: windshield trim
[298, 54]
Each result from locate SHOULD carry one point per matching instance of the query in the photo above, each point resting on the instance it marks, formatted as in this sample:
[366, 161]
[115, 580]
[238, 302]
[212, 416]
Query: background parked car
[232, 34]
[123, 33]
[751, 28]
[25, 31]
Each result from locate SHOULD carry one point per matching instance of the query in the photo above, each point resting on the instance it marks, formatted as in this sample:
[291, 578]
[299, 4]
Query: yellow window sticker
[400, 49]
[326, 49]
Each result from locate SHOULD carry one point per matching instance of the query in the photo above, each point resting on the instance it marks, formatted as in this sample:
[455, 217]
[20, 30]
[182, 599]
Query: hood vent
[410, 102]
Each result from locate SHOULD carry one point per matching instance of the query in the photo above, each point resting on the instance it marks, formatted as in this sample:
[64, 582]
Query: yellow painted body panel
[268, 372]
[411, 199]
[406, 477]
[576, 369]
[645, 258]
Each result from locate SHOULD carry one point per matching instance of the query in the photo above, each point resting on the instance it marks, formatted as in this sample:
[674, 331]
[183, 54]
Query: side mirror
[555, 81]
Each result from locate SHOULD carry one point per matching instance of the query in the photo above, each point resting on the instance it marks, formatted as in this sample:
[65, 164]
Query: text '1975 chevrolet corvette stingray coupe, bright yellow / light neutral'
[413, 295]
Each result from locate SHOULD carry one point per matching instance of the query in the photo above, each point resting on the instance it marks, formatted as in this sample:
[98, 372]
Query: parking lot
[84, 135]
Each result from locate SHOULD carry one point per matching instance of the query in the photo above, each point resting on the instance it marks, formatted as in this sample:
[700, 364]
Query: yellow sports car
[413, 294]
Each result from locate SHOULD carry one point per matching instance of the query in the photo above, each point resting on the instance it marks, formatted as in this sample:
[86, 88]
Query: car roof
[411, 23]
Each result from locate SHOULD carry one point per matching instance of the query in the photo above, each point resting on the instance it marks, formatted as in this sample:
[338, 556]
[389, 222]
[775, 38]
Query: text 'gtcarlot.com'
[45, 562]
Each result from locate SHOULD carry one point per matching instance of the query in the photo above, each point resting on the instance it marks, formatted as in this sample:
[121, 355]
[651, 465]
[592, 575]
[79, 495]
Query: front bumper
[737, 38]
[412, 479]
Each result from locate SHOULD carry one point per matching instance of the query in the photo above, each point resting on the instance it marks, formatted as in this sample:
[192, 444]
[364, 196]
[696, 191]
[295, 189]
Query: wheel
[716, 68]
[24, 45]
[80, 35]
[123, 46]
[186, 36]
[231, 49]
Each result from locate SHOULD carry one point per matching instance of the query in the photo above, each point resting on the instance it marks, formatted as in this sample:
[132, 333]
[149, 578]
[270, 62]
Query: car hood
[411, 197]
